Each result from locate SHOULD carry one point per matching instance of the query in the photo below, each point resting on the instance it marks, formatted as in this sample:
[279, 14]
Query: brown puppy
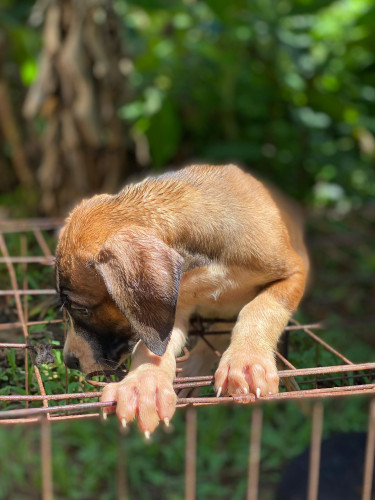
[132, 268]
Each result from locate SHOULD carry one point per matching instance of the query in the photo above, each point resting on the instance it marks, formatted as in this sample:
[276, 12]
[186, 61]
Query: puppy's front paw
[242, 372]
[146, 393]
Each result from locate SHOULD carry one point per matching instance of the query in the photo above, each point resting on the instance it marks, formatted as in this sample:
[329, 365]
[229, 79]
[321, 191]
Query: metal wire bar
[7, 415]
[285, 361]
[80, 408]
[47, 261]
[25, 312]
[54, 409]
[7, 345]
[46, 455]
[288, 328]
[285, 396]
[52, 418]
[18, 324]
[191, 453]
[13, 279]
[196, 401]
[181, 402]
[254, 453]
[181, 382]
[24, 225]
[370, 454]
[43, 244]
[321, 342]
[121, 473]
[316, 441]
[16, 292]
[206, 341]
[51, 397]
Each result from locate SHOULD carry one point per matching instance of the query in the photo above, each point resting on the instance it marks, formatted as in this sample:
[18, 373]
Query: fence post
[46, 457]
[122, 476]
[191, 453]
[316, 442]
[370, 452]
[254, 453]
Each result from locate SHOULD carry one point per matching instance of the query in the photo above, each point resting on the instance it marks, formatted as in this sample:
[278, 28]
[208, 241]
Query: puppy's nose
[71, 361]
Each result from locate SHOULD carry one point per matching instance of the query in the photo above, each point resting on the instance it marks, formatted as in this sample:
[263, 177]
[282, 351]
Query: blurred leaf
[164, 134]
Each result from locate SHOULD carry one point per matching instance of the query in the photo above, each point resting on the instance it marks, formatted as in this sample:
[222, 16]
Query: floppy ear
[142, 274]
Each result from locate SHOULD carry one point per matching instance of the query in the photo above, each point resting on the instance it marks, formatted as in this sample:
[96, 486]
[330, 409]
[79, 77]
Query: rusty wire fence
[28, 244]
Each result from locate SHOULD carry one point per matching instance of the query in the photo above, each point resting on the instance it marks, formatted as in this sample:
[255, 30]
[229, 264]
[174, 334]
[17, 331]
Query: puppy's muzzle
[71, 361]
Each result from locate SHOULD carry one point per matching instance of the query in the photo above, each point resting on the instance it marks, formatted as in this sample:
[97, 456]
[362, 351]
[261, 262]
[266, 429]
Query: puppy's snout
[71, 361]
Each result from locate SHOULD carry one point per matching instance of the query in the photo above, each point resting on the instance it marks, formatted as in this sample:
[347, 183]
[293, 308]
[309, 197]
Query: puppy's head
[119, 285]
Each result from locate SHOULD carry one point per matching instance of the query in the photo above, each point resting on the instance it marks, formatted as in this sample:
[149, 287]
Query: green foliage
[286, 88]
[23, 42]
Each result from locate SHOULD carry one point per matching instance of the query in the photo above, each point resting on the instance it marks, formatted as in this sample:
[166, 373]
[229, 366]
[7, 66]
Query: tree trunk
[11, 131]
[78, 92]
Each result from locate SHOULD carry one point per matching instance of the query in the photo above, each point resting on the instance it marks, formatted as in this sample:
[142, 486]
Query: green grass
[86, 453]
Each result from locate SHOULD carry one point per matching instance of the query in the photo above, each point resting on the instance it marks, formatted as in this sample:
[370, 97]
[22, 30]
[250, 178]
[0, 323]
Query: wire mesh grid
[32, 242]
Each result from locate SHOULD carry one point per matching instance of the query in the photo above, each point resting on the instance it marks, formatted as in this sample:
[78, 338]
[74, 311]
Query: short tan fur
[134, 267]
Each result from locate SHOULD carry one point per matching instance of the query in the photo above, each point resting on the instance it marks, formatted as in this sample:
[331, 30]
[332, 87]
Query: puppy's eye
[84, 311]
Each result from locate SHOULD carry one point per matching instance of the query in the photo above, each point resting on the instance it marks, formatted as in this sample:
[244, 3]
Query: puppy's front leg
[248, 365]
[147, 391]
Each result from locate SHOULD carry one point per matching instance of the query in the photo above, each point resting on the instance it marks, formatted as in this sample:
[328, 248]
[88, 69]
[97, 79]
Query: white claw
[258, 392]
[218, 392]
[166, 421]
[147, 434]
[123, 423]
[104, 415]
[245, 390]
